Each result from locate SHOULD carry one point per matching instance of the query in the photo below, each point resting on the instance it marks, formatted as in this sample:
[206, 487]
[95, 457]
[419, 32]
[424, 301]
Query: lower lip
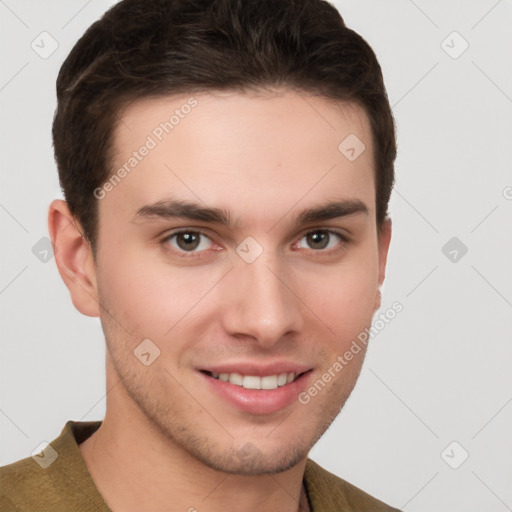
[258, 401]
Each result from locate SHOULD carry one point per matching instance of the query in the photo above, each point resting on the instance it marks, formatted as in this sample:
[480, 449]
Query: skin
[263, 157]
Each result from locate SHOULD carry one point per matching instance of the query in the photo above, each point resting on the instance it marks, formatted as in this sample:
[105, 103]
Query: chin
[250, 461]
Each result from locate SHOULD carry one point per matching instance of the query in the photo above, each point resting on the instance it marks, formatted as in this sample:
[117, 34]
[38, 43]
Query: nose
[260, 303]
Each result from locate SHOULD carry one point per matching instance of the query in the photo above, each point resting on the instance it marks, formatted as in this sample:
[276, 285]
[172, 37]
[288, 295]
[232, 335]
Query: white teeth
[255, 382]
[269, 382]
[282, 379]
[236, 378]
[251, 382]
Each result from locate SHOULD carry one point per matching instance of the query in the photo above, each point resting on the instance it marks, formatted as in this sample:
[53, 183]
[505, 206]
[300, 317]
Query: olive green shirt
[57, 480]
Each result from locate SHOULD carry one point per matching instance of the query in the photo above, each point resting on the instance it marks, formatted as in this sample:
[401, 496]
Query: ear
[74, 258]
[383, 240]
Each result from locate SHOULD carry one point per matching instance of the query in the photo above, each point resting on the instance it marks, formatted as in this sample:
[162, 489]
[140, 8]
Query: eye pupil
[187, 241]
[318, 239]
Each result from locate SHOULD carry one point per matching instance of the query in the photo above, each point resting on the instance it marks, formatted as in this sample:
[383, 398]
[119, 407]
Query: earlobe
[378, 300]
[74, 258]
[384, 239]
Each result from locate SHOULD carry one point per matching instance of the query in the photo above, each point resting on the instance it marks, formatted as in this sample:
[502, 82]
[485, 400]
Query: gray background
[438, 373]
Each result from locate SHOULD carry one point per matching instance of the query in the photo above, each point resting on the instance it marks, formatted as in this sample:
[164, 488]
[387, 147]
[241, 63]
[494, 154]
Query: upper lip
[257, 369]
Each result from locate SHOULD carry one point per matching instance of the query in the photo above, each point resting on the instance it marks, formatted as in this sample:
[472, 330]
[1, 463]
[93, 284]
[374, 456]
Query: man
[227, 168]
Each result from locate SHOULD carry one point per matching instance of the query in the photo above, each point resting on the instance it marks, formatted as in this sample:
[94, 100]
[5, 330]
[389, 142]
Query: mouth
[266, 382]
[265, 393]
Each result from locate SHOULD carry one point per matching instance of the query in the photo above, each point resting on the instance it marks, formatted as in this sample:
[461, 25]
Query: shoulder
[53, 480]
[23, 482]
[327, 492]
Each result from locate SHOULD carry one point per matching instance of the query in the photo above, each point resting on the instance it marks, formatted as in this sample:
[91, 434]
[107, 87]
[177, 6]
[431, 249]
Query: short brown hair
[153, 48]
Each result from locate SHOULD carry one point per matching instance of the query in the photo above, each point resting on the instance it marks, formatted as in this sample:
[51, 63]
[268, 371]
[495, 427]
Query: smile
[267, 382]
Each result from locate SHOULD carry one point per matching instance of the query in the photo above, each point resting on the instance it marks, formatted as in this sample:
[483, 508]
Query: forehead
[257, 152]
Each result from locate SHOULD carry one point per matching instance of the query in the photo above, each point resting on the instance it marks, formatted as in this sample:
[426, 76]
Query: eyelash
[343, 239]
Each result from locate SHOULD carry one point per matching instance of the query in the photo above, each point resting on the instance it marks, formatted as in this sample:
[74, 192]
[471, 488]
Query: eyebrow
[169, 209]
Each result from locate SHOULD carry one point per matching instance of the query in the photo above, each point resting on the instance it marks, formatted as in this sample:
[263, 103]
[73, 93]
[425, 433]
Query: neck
[136, 467]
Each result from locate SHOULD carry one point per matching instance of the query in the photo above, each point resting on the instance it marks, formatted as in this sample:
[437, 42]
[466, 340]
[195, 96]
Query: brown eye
[321, 239]
[318, 240]
[189, 241]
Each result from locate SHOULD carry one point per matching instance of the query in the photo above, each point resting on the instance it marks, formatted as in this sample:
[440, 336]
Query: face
[243, 245]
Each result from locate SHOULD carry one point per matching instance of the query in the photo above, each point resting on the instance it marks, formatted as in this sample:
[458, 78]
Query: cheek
[149, 297]
[343, 296]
